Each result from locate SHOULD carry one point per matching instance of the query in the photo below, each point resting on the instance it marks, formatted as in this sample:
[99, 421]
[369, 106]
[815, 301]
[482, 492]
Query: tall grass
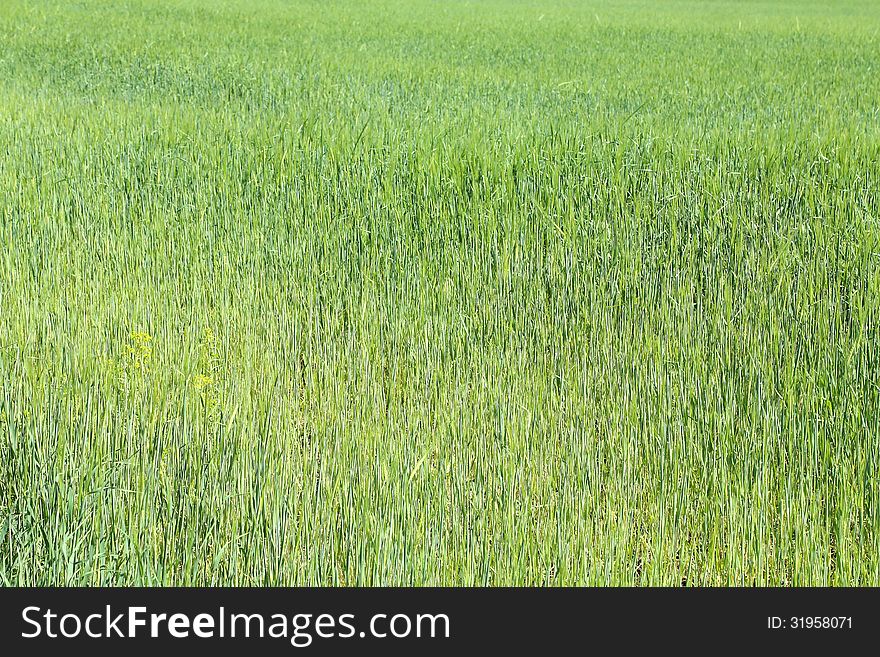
[439, 293]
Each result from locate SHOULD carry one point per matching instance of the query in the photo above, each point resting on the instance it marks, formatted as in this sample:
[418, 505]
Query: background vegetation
[411, 292]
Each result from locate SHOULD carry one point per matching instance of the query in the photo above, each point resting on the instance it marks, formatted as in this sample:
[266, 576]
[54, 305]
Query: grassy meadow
[440, 292]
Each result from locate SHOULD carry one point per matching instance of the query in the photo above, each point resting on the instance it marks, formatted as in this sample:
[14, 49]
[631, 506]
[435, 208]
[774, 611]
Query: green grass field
[413, 292]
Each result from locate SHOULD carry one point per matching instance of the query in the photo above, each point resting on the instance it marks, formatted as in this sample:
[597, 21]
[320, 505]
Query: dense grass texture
[413, 292]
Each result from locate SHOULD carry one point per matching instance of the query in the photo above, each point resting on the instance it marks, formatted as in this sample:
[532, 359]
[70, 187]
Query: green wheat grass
[439, 293]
